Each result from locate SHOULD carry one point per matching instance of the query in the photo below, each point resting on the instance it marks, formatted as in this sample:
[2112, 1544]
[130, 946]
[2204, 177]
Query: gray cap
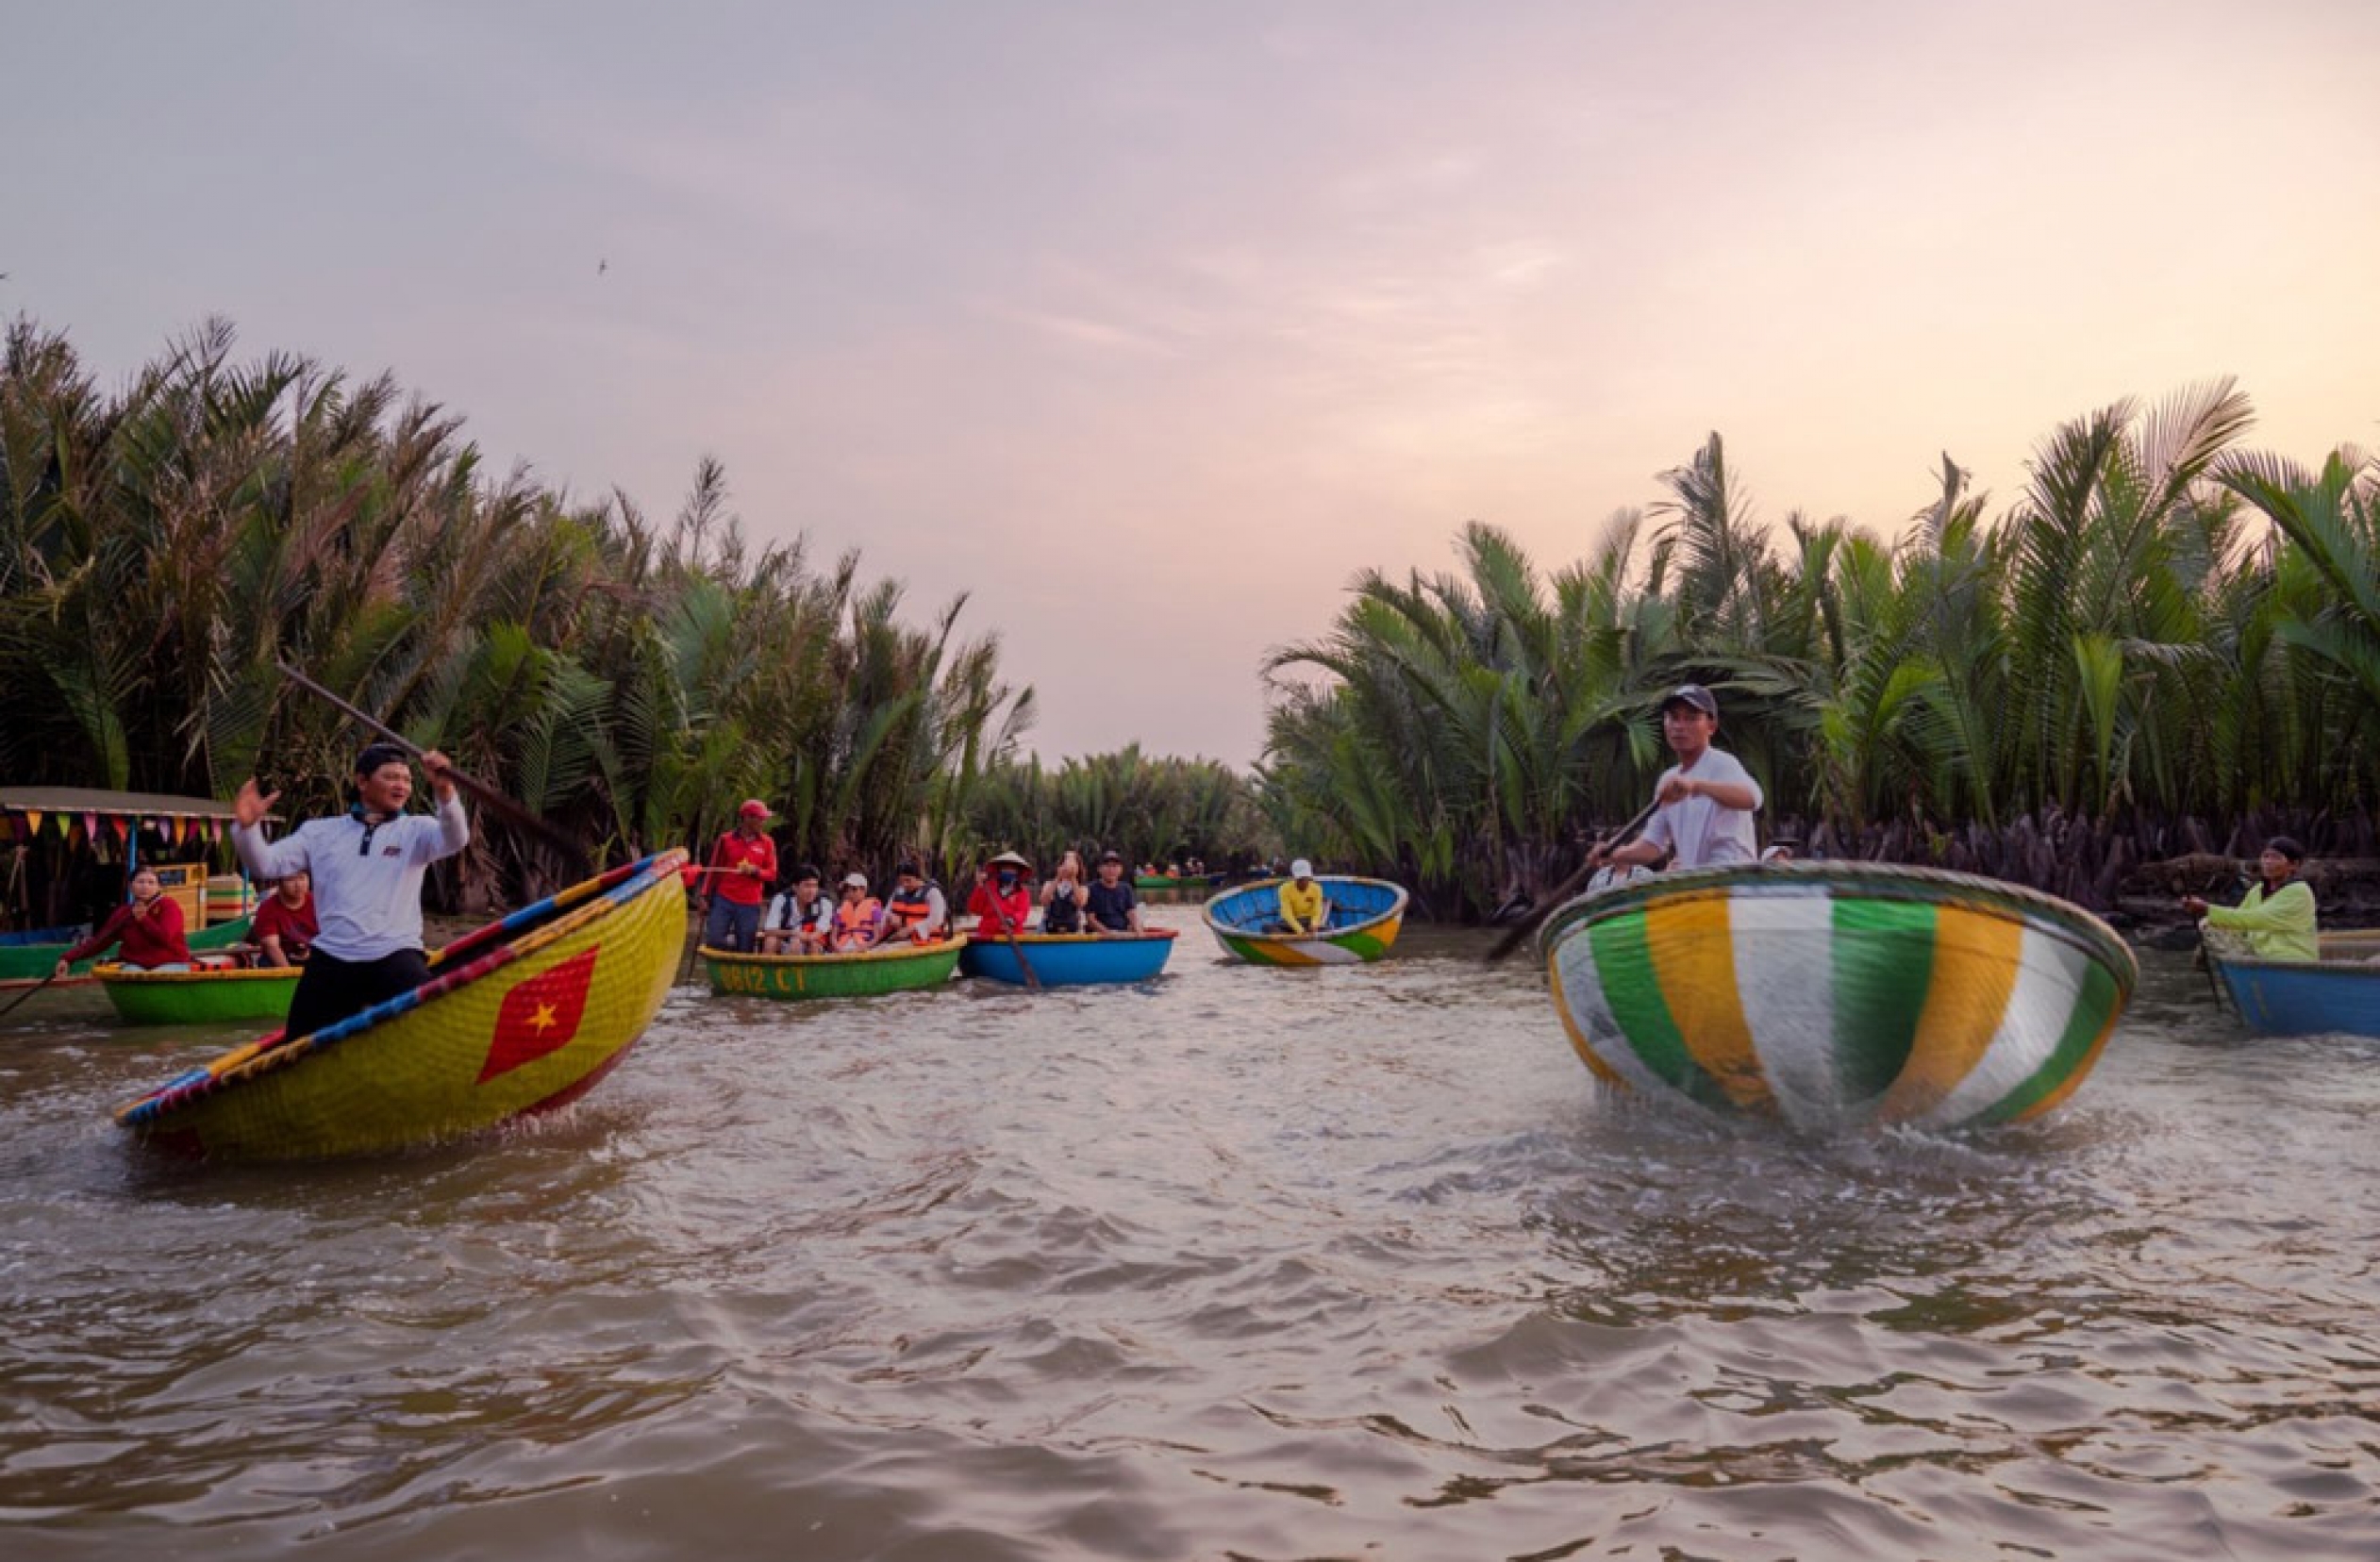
[1695, 695]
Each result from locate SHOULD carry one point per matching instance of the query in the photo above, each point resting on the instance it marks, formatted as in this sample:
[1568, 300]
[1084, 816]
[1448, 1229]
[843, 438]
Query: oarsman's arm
[1740, 795]
[2288, 910]
[264, 859]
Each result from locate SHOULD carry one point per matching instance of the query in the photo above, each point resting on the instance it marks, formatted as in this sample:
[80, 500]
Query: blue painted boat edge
[1210, 913]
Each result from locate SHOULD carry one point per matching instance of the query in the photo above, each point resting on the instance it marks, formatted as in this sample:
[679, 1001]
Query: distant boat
[902, 968]
[520, 1016]
[26, 957]
[2339, 995]
[1361, 920]
[198, 997]
[1839, 995]
[1072, 960]
[1175, 881]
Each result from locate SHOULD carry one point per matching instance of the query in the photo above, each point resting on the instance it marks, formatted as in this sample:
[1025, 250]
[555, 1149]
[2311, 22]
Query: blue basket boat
[1361, 920]
[2338, 995]
[1072, 960]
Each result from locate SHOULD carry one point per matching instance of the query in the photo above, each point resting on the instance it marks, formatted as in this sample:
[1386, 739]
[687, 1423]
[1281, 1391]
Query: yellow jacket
[1302, 908]
[2279, 929]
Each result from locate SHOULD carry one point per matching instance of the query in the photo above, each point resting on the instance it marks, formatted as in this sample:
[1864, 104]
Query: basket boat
[1363, 918]
[1175, 881]
[1072, 960]
[901, 968]
[22, 964]
[197, 997]
[522, 1016]
[2340, 994]
[1839, 995]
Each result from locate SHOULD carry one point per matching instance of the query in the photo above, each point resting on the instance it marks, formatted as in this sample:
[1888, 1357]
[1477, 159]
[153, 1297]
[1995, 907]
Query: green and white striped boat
[1839, 995]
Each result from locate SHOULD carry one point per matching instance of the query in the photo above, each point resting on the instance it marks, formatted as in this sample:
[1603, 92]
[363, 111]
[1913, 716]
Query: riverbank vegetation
[2164, 644]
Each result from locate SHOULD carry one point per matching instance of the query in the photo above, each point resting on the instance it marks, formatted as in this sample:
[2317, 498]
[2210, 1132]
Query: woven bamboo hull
[2338, 996]
[522, 1016]
[197, 997]
[906, 968]
[28, 963]
[1366, 915]
[1072, 960]
[1839, 995]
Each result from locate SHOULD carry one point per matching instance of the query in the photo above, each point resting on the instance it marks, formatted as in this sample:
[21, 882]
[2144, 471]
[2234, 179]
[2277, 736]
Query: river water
[1238, 1264]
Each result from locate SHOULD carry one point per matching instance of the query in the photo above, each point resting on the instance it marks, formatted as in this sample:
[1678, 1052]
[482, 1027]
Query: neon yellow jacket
[2280, 927]
[1302, 908]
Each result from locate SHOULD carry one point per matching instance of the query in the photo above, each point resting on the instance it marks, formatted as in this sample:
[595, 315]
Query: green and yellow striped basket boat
[902, 968]
[197, 997]
[1839, 995]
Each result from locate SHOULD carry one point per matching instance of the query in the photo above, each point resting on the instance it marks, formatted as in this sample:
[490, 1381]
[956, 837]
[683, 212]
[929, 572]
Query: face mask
[1007, 881]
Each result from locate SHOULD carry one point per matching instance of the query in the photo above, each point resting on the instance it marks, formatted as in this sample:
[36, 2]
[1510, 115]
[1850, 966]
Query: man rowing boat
[367, 866]
[1706, 799]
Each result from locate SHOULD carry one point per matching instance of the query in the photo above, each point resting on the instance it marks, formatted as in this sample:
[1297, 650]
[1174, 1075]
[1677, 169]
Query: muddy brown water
[1238, 1264]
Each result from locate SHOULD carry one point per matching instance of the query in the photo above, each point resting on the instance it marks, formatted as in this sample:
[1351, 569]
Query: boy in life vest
[801, 918]
[858, 917]
[918, 911]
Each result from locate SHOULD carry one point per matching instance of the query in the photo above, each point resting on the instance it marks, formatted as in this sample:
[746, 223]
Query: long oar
[1032, 983]
[494, 800]
[1569, 887]
[28, 993]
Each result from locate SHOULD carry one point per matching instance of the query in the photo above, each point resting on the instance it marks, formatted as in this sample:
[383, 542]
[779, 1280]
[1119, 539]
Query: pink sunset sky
[1149, 327]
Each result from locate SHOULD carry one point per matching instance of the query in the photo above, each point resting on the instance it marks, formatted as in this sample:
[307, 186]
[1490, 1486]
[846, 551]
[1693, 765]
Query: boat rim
[2059, 918]
[134, 976]
[742, 956]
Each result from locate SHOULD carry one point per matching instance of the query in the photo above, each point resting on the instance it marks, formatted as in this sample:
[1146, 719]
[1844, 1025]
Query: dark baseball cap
[1112, 856]
[1693, 694]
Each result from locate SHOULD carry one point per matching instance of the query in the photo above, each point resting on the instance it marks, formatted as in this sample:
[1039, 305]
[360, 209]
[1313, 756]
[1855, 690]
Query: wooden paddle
[29, 993]
[1032, 983]
[494, 800]
[1569, 887]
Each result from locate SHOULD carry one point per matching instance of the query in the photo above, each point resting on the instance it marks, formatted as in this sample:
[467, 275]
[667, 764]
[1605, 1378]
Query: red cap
[753, 808]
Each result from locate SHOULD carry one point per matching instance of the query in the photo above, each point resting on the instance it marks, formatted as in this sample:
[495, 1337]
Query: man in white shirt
[1706, 799]
[367, 866]
[800, 921]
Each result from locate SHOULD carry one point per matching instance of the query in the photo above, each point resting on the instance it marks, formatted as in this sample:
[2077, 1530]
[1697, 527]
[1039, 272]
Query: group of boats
[1831, 995]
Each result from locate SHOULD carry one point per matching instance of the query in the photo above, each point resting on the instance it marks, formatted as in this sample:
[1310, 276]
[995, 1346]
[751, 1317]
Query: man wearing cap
[801, 918]
[1001, 903]
[1110, 906]
[1301, 907]
[2277, 919]
[1706, 799]
[742, 866]
[366, 867]
[917, 913]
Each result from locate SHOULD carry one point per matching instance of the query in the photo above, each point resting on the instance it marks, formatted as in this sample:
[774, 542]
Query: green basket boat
[1839, 995]
[196, 997]
[904, 968]
[23, 964]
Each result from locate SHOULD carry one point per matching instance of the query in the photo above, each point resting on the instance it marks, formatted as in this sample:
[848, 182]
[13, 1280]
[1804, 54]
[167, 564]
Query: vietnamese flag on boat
[540, 1015]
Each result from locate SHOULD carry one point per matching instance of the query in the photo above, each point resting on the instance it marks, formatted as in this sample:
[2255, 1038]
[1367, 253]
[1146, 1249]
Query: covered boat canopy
[110, 805]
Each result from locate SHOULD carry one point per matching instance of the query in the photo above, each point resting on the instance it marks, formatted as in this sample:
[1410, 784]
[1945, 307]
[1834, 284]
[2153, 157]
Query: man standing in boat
[366, 867]
[1706, 799]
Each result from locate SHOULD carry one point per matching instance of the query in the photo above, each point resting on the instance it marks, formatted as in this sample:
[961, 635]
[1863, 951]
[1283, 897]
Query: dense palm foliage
[162, 546]
[1152, 810]
[2162, 641]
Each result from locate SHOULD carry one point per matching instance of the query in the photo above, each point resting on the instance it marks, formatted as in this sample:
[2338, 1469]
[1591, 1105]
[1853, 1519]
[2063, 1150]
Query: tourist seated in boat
[286, 927]
[1708, 801]
[858, 917]
[1109, 905]
[148, 927]
[1002, 901]
[367, 866]
[1063, 895]
[917, 912]
[801, 918]
[744, 864]
[1304, 912]
[2276, 920]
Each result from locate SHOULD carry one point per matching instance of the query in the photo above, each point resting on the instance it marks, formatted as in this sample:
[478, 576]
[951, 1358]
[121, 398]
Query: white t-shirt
[785, 915]
[1703, 834]
[367, 882]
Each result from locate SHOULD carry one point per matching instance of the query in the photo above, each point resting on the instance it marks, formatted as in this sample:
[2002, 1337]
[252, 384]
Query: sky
[1148, 326]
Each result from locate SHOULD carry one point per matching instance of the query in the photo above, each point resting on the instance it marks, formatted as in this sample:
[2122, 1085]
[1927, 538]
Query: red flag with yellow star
[540, 1015]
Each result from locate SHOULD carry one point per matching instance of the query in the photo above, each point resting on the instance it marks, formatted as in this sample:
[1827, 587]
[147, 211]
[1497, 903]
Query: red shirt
[296, 929]
[993, 908]
[741, 889]
[150, 940]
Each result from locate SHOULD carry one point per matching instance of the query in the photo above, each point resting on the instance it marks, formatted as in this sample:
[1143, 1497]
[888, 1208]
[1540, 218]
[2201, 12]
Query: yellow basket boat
[520, 1016]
